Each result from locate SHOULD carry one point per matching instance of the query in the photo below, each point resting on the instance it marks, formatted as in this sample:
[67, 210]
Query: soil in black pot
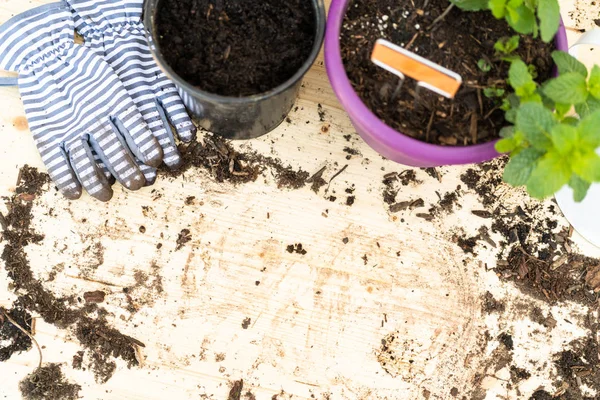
[457, 42]
[236, 47]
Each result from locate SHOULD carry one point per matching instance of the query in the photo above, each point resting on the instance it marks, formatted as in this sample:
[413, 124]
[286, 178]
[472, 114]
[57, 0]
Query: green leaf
[565, 138]
[498, 8]
[492, 92]
[585, 109]
[521, 19]
[505, 145]
[551, 173]
[580, 187]
[587, 165]
[562, 109]
[568, 88]
[507, 45]
[594, 82]
[549, 15]
[519, 168]
[567, 63]
[507, 132]
[536, 122]
[471, 5]
[484, 65]
[518, 74]
[589, 131]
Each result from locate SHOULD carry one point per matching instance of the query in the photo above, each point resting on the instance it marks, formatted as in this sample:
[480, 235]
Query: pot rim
[150, 7]
[398, 144]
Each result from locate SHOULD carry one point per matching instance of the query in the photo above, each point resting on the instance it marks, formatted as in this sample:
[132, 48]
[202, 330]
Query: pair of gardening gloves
[99, 112]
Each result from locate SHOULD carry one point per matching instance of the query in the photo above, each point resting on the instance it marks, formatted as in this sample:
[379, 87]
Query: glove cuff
[98, 16]
[34, 35]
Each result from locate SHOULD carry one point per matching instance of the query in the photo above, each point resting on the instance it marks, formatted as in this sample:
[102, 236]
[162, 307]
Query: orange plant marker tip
[402, 62]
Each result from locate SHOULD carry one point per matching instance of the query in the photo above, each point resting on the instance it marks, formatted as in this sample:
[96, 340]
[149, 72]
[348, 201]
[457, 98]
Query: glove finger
[164, 134]
[139, 137]
[88, 173]
[149, 174]
[110, 146]
[109, 177]
[61, 172]
[175, 111]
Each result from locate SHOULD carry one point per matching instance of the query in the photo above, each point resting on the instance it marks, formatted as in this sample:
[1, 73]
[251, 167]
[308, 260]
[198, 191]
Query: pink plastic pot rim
[387, 141]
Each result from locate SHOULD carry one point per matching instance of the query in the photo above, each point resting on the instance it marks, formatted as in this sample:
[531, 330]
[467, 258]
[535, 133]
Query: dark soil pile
[539, 260]
[48, 382]
[16, 340]
[216, 155]
[236, 48]
[89, 322]
[458, 42]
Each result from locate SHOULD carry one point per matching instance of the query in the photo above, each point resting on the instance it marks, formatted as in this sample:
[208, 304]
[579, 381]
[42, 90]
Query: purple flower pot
[392, 144]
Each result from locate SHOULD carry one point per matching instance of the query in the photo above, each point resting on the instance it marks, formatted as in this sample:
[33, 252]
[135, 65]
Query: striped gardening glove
[113, 28]
[82, 119]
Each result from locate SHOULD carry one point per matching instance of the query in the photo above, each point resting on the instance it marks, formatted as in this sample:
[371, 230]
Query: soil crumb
[297, 248]
[48, 383]
[12, 339]
[236, 390]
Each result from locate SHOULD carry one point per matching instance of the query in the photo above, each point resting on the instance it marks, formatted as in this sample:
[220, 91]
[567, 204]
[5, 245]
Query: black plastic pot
[237, 117]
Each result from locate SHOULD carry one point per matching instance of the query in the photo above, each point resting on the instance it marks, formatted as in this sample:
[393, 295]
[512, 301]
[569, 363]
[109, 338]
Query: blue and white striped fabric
[81, 116]
[114, 29]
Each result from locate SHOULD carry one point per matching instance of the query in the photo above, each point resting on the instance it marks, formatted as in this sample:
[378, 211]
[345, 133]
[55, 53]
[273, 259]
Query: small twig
[429, 126]
[335, 176]
[412, 41]
[441, 17]
[338, 173]
[12, 321]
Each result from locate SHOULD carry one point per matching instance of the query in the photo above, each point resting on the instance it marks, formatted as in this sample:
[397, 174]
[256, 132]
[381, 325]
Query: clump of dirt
[483, 183]
[578, 366]
[88, 322]
[317, 181]
[235, 393]
[227, 47]
[12, 339]
[458, 42]
[297, 248]
[48, 382]
[216, 155]
[183, 237]
[393, 182]
[490, 304]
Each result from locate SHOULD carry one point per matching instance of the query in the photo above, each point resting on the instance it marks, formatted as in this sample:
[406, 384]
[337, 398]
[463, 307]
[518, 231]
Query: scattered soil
[577, 366]
[458, 42]
[88, 322]
[393, 182]
[12, 339]
[216, 155]
[48, 382]
[540, 260]
[236, 48]
[297, 248]
[317, 181]
[507, 340]
[236, 390]
[184, 237]
[246, 323]
[490, 304]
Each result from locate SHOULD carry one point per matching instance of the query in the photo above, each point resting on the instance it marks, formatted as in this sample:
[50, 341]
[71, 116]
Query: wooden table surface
[316, 321]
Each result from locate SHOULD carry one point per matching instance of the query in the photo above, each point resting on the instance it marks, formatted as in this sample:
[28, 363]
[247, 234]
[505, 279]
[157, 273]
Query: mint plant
[548, 148]
[521, 14]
